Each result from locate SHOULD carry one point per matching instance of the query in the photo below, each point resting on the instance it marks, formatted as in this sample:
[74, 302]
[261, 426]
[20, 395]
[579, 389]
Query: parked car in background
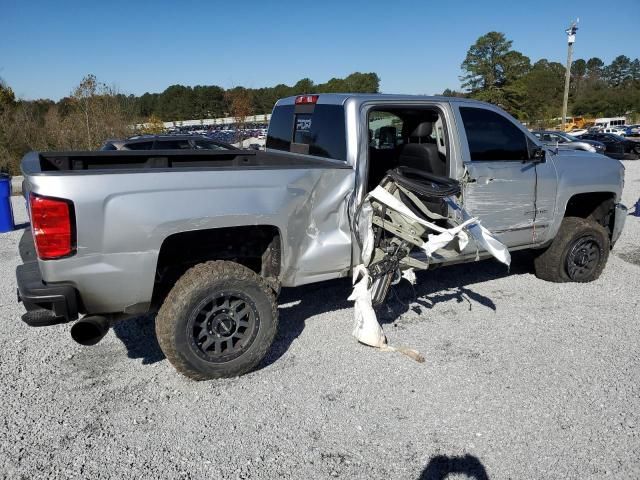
[632, 131]
[615, 130]
[616, 146]
[564, 140]
[166, 142]
[578, 132]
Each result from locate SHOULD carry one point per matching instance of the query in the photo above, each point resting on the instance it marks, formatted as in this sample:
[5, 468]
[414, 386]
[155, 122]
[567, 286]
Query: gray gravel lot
[522, 379]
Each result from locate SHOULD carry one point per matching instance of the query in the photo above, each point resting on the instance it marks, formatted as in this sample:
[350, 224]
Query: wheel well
[257, 247]
[598, 206]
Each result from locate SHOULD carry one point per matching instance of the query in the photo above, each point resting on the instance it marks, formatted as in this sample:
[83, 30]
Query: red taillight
[306, 99]
[52, 226]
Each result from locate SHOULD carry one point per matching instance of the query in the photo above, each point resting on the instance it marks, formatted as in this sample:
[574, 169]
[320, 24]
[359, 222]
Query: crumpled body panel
[123, 219]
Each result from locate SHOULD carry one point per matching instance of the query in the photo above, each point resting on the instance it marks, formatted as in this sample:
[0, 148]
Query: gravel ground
[522, 379]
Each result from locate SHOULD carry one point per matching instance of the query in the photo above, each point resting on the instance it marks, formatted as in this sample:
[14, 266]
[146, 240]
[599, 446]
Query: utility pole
[571, 38]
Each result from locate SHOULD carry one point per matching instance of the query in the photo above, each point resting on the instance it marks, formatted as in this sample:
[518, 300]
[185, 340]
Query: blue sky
[415, 46]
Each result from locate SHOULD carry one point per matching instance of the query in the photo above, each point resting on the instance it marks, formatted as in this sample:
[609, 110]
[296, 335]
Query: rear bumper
[46, 304]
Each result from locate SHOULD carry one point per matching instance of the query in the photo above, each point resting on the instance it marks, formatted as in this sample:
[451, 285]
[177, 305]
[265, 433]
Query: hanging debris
[408, 210]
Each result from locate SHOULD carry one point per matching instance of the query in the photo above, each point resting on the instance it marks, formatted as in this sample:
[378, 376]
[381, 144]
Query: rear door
[500, 181]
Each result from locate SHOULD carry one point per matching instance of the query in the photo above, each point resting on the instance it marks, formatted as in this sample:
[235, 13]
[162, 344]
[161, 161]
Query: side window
[319, 131]
[173, 145]
[140, 146]
[323, 131]
[204, 145]
[492, 136]
[385, 128]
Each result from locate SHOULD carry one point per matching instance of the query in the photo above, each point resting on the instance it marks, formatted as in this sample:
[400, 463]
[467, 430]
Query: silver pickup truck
[207, 239]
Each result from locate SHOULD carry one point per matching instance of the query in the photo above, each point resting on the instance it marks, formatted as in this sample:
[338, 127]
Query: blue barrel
[6, 212]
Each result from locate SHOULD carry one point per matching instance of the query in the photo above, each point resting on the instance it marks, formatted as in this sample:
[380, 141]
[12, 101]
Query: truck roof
[341, 98]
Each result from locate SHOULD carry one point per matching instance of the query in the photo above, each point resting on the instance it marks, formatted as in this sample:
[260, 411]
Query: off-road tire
[552, 264]
[182, 303]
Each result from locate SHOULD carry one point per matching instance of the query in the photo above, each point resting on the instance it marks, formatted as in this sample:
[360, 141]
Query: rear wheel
[219, 320]
[577, 254]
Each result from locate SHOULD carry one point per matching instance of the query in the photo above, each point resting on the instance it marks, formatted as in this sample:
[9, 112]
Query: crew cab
[206, 239]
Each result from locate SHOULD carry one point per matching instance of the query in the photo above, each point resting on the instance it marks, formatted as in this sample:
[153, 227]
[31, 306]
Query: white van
[610, 122]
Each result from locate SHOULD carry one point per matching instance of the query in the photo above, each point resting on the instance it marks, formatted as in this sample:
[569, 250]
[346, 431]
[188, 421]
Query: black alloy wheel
[583, 258]
[223, 326]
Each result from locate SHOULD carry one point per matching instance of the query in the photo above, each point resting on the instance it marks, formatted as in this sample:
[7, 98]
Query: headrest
[423, 129]
[388, 134]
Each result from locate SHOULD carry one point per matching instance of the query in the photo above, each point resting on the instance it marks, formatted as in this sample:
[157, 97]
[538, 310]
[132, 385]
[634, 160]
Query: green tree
[579, 68]
[304, 86]
[493, 70]
[594, 68]
[634, 70]
[542, 89]
[578, 74]
[485, 62]
[619, 71]
[453, 93]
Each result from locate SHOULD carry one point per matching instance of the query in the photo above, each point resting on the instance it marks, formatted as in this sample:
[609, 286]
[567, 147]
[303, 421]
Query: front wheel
[577, 254]
[219, 320]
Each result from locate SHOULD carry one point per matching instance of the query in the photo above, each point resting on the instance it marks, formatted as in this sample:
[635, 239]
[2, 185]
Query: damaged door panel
[501, 194]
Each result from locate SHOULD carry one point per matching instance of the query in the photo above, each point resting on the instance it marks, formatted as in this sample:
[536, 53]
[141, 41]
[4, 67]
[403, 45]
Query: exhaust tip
[90, 330]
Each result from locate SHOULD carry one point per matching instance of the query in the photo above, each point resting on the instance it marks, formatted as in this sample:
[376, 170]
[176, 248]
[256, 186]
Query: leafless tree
[240, 105]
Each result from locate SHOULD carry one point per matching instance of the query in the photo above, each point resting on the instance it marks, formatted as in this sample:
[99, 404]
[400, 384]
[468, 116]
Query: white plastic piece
[366, 329]
[436, 242]
[410, 275]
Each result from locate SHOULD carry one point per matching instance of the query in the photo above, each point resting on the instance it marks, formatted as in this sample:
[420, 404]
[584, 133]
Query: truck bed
[158, 160]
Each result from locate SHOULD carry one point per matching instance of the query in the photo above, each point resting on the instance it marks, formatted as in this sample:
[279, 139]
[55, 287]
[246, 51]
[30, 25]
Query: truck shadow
[299, 304]
[432, 287]
[139, 337]
[441, 466]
